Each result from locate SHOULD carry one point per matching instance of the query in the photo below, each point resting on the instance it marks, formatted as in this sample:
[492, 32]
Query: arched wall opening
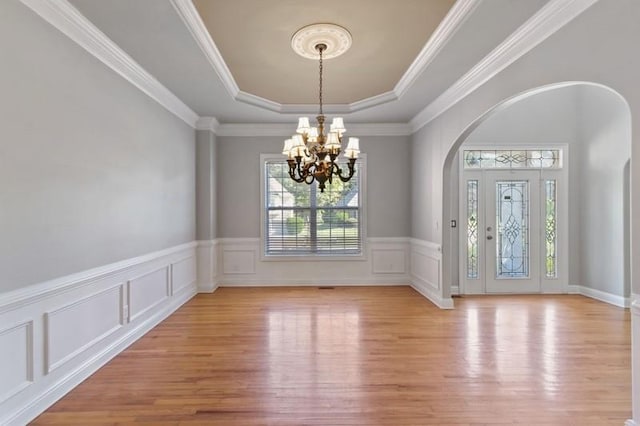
[594, 123]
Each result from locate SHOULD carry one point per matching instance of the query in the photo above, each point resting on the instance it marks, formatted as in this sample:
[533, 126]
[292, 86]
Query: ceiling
[395, 68]
[254, 38]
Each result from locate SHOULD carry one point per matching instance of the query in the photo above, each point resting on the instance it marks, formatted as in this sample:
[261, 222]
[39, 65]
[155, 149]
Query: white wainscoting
[207, 266]
[426, 272]
[385, 262]
[16, 368]
[55, 334]
[635, 360]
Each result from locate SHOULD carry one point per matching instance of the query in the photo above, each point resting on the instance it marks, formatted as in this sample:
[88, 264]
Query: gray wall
[92, 171]
[593, 47]
[239, 204]
[547, 118]
[206, 203]
[605, 133]
[595, 124]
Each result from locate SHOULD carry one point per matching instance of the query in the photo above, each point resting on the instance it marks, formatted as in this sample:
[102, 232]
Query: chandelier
[311, 153]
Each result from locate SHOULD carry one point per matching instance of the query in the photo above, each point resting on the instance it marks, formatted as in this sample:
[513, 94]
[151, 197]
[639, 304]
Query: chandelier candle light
[312, 155]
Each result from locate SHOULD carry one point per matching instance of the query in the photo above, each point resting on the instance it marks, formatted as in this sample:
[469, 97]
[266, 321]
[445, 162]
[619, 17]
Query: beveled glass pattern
[512, 159]
[550, 229]
[512, 220]
[472, 229]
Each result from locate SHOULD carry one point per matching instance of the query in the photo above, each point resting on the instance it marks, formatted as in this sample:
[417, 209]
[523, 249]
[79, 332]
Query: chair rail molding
[117, 304]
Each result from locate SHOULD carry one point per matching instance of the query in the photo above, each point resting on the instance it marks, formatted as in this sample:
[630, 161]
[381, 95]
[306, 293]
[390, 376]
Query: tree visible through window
[302, 220]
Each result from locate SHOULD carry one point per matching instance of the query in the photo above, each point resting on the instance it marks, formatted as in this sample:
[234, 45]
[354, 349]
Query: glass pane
[471, 159]
[472, 229]
[302, 220]
[512, 219]
[512, 159]
[550, 229]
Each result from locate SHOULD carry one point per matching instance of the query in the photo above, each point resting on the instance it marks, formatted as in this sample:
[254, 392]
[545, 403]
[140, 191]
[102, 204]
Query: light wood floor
[366, 356]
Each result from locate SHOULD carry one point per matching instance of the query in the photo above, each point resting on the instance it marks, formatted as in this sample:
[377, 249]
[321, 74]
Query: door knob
[489, 237]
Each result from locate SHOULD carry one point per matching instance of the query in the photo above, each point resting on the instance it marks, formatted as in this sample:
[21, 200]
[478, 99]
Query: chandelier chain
[320, 50]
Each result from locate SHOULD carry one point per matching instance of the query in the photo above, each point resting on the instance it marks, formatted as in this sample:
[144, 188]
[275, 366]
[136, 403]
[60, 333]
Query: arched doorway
[592, 123]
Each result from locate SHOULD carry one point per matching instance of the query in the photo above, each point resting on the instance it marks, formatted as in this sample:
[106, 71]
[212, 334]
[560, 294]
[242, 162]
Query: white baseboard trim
[432, 294]
[311, 283]
[86, 369]
[455, 290]
[612, 299]
[117, 304]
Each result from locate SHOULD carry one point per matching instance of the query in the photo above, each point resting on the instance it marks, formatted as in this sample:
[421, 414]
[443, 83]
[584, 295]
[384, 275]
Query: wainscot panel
[385, 262]
[53, 335]
[426, 272]
[16, 359]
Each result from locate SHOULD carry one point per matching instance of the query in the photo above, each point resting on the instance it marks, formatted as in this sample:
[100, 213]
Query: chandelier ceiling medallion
[312, 154]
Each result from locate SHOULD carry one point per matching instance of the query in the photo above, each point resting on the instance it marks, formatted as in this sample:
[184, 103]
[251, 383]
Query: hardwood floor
[366, 356]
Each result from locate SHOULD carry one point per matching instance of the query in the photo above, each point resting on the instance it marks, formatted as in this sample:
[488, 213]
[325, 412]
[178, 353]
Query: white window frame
[362, 170]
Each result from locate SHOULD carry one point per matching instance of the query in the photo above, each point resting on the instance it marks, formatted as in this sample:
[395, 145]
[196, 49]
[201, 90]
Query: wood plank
[363, 356]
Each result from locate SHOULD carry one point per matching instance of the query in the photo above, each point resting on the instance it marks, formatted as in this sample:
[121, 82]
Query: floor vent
[326, 288]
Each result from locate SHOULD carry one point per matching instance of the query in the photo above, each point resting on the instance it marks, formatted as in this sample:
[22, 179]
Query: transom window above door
[512, 159]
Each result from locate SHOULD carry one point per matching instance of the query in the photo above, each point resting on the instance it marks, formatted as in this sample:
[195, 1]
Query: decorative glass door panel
[512, 210]
[512, 232]
[512, 229]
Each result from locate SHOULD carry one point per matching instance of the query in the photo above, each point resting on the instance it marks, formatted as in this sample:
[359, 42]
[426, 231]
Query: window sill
[312, 258]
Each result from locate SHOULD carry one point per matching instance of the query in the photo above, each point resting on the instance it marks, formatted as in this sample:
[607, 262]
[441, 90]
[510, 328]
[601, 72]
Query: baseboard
[117, 304]
[455, 290]
[83, 371]
[612, 299]
[432, 294]
[260, 282]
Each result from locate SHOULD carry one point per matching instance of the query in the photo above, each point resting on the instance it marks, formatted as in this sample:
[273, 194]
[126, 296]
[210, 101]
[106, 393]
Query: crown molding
[454, 19]
[447, 28]
[287, 129]
[207, 123]
[68, 20]
[549, 19]
[190, 16]
[380, 99]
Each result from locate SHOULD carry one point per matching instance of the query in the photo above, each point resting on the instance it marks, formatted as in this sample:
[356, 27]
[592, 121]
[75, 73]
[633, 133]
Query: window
[300, 220]
[512, 159]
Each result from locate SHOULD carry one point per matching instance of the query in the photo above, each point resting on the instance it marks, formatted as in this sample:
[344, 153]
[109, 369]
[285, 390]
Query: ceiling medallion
[336, 38]
[311, 154]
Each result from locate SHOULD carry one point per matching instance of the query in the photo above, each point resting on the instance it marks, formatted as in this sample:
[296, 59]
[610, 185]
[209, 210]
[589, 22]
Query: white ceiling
[155, 35]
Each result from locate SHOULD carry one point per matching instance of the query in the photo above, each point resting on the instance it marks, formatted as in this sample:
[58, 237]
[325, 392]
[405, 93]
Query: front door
[512, 237]
[513, 222]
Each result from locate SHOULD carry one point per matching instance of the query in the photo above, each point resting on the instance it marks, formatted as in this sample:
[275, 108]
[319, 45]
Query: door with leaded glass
[510, 214]
[512, 234]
